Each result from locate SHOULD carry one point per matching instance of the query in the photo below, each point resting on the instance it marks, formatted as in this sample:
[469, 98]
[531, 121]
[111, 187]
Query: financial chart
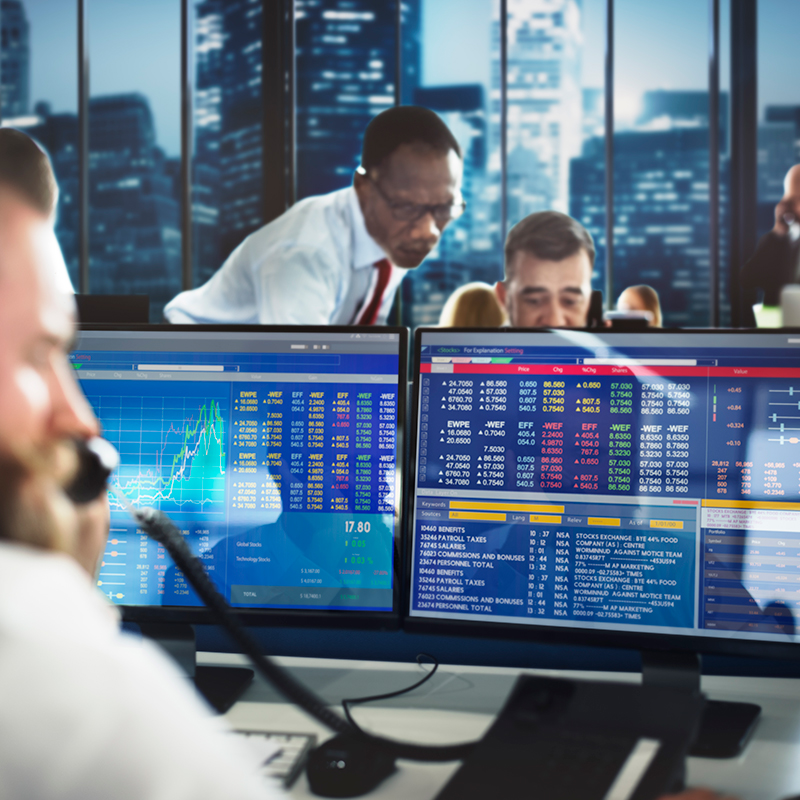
[172, 447]
[279, 468]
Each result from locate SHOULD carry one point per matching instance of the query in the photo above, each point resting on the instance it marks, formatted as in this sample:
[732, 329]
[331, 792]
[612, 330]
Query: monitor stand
[220, 686]
[725, 727]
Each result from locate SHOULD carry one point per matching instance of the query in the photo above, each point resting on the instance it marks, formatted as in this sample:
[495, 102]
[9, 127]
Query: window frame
[278, 133]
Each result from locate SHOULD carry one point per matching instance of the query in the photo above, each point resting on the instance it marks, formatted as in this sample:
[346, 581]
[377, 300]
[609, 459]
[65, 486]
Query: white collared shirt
[87, 712]
[313, 265]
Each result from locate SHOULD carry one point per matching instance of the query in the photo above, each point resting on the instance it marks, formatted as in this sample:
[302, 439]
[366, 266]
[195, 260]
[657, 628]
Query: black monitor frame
[490, 630]
[312, 617]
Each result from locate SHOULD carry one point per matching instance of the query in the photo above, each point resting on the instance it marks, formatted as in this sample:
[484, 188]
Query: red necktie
[370, 314]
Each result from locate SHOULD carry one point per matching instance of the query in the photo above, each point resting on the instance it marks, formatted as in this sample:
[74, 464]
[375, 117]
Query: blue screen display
[613, 481]
[280, 467]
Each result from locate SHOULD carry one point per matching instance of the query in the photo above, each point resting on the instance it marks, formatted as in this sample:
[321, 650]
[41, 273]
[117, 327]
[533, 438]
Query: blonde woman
[474, 305]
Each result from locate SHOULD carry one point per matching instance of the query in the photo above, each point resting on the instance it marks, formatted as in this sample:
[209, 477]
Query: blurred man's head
[409, 182]
[25, 167]
[40, 402]
[548, 272]
[42, 410]
[791, 184]
[787, 211]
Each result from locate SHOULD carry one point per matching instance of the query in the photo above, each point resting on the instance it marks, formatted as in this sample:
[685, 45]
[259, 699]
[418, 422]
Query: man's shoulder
[313, 221]
[314, 231]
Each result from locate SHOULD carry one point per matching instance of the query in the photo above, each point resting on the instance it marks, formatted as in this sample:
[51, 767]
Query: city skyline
[345, 73]
[462, 57]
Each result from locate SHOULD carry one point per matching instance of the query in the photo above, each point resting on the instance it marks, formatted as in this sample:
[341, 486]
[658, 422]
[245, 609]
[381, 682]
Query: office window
[134, 149]
[778, 103]
[345, 75]
[452, 75]
[587, 170]
[661, 152]
[724, 162]
[345, 61]
[227, 191]
[40, 96]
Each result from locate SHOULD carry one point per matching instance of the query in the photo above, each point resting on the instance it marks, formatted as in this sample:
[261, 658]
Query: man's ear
[361, 185]
[501, 291]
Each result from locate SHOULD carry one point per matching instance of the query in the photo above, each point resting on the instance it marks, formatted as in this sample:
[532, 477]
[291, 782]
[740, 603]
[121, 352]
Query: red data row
[618, 371]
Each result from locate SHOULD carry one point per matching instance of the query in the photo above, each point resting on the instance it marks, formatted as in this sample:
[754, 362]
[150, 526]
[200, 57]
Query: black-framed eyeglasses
[411, 212]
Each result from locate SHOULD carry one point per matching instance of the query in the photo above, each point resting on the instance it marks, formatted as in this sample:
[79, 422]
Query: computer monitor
[113, 308]
[626, 489]
[275, 449]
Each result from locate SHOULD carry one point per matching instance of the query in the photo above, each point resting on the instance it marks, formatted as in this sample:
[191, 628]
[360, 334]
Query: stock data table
[660, 495]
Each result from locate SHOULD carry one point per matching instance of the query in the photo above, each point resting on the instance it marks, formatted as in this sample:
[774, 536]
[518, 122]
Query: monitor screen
[639, 485]
[275, 450]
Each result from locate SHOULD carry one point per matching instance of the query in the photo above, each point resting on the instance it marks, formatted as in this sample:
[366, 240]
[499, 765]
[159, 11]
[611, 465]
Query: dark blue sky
[134, 46]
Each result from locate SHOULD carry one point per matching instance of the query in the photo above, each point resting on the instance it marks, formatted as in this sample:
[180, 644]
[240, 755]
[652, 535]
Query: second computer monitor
[640, 488]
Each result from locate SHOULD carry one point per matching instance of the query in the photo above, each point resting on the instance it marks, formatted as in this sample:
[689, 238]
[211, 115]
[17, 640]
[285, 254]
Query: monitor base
[725, 727]
[222, 686]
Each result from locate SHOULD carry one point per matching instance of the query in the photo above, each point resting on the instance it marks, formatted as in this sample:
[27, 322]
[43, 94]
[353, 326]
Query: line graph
[172, 448]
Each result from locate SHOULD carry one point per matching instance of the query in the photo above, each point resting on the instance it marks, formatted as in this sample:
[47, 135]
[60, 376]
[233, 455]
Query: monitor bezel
[299, 618]
[546, 634]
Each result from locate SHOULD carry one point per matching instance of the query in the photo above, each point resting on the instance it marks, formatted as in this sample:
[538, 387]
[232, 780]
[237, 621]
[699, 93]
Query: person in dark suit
[776, 261]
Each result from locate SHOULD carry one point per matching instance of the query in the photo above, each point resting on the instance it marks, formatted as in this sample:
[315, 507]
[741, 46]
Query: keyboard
[280, 756]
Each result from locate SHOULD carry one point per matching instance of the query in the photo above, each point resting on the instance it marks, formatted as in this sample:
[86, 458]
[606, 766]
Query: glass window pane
[345, 75]
[134, 149]
[545, 103]
[661, 154]
[778, 103]
[40, 95]
[227, 185]
[587, 172]
[455, 74]
[724, 164]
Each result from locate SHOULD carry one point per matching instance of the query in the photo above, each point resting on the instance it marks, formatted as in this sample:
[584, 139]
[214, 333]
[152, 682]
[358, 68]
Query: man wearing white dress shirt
[339, 258]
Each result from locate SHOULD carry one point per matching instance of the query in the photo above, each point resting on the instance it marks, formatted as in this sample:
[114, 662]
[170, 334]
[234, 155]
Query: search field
[642, 362]
[181, 367]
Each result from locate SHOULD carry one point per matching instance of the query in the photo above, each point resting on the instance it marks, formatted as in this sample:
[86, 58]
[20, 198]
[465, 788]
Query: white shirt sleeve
[288, 285]
[119, 721]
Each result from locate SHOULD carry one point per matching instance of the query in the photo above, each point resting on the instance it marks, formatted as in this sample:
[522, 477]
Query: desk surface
[459, 704]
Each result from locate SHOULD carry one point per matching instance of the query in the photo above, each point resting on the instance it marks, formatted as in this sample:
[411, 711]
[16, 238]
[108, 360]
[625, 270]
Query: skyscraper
[134, 221]
[240, 144]
[209, 43]
[345, 76]
[660, 201]
[465, 251]
[544, 102]
[14, 59]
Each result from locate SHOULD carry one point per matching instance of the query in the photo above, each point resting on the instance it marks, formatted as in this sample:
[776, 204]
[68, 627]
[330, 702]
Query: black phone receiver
[595, 316]
[97, 459]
